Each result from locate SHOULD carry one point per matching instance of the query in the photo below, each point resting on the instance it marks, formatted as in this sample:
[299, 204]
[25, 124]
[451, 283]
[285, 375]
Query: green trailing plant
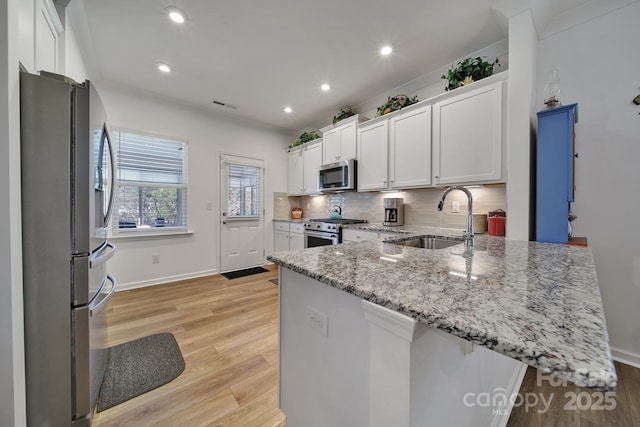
[396, 103]
[468, 71]
[304, 138]
[343, 114]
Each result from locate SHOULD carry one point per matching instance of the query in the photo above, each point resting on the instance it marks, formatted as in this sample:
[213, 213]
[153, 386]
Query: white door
[242, 212]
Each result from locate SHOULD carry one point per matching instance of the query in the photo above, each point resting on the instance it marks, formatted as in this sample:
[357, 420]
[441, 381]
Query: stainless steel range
[325, 231]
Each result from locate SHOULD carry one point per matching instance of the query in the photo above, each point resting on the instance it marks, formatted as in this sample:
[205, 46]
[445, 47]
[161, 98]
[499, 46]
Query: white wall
[599, 68]
[74, 65]
[12, 382]
[208, 134]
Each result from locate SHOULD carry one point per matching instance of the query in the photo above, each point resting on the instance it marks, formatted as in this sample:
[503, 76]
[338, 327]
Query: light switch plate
[455, 206]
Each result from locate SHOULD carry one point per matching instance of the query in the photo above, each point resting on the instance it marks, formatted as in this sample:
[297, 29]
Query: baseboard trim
[501, 419]
[625, 357]
[163, 280]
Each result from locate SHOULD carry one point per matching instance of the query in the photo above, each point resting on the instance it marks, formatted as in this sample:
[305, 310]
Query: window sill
[146, 235]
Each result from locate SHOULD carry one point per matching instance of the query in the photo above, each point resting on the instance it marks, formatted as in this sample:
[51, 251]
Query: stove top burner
[339, 221]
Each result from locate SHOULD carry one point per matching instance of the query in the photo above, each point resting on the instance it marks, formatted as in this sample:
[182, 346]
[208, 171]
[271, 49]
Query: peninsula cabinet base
[347, 362]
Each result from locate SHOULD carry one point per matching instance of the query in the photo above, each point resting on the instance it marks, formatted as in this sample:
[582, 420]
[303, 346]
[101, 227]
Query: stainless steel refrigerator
[67, 194]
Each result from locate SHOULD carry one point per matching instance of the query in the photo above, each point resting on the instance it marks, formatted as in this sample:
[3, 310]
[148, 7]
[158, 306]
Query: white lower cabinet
[288, 236]
[467, 137]
[296, 238]
[350, 235]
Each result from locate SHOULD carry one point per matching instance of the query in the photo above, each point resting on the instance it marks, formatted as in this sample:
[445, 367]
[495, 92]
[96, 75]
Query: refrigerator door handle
[107, 137]
[95, 304]
[99, 257]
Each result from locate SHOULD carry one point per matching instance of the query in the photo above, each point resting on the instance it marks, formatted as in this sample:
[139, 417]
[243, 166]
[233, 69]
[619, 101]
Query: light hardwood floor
[227, 331]
[572, 406]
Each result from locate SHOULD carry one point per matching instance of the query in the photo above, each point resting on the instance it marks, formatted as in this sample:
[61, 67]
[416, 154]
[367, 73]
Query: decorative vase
[552, 90]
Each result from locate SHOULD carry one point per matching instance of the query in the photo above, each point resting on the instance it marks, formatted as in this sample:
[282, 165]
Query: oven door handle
[322, 234]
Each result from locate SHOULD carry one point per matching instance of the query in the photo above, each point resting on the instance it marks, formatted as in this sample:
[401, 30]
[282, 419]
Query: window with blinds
[151, 182]
[243, 190]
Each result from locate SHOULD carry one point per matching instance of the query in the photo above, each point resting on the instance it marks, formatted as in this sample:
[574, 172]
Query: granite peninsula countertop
[538, 303]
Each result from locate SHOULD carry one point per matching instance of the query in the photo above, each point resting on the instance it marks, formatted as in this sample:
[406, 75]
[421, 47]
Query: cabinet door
[296, 241]
[373, 156]
[295, 181]
[48, 28]
[467, 137]
[348, 143]
[410, 149]
[281, 241]
[555, 172]
[312, 162]
[331, 146]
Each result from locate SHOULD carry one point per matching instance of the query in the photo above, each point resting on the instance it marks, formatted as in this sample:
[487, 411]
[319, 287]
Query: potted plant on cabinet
[396, 103]
[468, 71]
[343, 114]
[304, 138]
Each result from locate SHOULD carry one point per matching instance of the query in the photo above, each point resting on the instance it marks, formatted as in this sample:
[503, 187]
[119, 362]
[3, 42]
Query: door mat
[245, 272]
[274, 281]
[139, 366]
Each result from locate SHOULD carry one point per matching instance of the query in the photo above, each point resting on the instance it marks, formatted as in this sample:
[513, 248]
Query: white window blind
[147, 159]
[243, 198]
[151, 182]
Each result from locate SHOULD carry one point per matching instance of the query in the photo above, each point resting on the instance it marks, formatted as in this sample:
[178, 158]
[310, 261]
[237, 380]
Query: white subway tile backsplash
[419, 205]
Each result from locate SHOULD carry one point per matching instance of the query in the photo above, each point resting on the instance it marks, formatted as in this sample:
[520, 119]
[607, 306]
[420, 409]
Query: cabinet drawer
[385, 235]
[296, 228]
[282, 226]
[358, 235]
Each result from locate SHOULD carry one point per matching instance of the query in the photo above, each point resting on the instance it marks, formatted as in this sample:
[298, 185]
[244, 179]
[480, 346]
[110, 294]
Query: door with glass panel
[242, 212]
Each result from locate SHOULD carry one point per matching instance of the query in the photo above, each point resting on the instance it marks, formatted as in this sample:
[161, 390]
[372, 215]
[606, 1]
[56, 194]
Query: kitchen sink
[429, 242]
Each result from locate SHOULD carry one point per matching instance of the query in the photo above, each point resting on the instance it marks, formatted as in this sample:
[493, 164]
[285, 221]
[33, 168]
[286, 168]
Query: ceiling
[261, 56]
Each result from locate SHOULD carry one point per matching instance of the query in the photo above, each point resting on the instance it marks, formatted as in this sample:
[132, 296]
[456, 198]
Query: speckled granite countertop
[290, 220]
[535, 302]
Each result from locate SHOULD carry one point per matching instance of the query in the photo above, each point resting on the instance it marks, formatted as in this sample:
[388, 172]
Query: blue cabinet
[555, 172]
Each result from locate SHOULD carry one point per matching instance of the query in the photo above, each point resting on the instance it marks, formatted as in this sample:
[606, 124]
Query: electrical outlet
[318, 321]
[155, 258]
[455, 206]
[209, 206]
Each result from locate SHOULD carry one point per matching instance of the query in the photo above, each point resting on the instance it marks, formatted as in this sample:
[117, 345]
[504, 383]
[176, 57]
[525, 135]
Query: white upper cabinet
[395, 153]
[295, 173]
[312, 162]
[373, 156]
[410, 149]
[467, 137]
[40, 31]
[303, 165]
[339, 140]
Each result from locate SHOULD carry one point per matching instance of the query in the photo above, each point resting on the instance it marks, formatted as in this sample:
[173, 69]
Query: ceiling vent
[224, 104]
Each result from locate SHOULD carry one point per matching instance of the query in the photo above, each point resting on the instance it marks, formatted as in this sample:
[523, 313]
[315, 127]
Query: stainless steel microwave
[338, 176]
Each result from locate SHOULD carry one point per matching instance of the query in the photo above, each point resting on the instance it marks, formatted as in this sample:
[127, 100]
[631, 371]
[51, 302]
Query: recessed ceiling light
[325, 87]
[386, 50]
[176, 15]
[287, 110]
[164, 68]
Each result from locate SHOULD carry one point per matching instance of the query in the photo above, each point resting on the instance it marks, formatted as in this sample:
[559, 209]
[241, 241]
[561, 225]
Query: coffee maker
[393, 212]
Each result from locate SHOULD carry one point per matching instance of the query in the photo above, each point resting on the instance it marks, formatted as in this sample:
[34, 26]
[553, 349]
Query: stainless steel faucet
[468, 235]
